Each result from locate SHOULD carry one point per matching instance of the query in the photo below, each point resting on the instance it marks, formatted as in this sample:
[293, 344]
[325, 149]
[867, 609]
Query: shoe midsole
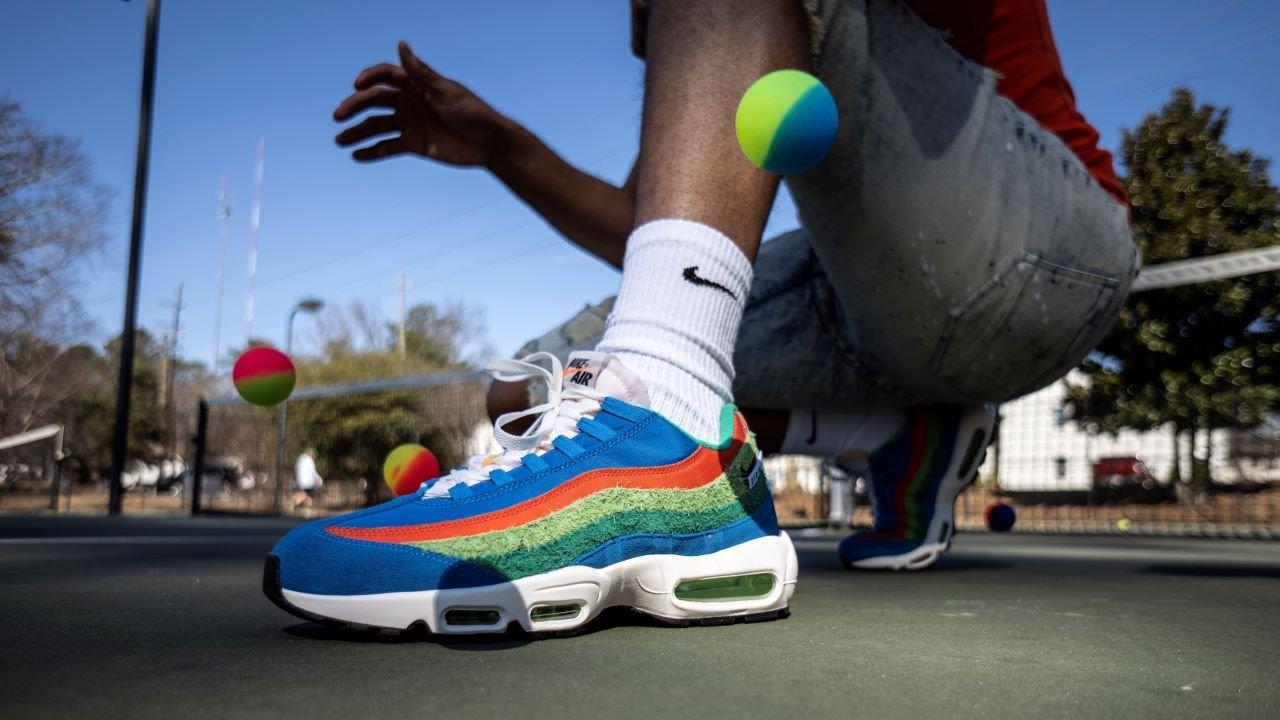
[547, 601]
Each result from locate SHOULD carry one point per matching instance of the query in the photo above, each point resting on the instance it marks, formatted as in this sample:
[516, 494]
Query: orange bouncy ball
[408, 466]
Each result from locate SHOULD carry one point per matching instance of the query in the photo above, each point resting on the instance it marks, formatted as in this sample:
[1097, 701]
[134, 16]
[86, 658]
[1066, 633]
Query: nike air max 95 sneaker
[601, 502]
[915, 480]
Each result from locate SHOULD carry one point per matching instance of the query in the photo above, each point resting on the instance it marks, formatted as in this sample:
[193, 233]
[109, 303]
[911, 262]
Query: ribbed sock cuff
[675, 323]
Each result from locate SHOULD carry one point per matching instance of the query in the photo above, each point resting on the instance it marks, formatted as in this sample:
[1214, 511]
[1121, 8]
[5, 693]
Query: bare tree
[51, 217]
[356, 327]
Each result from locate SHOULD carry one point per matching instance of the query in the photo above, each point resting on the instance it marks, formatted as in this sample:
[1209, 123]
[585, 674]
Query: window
[1060, 467]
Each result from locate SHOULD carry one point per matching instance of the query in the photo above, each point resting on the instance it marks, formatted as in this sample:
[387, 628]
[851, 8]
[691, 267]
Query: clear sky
[234, 71]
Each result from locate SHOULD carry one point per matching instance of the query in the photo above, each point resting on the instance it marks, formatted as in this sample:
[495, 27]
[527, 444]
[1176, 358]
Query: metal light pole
[309, 305]
[124, 384]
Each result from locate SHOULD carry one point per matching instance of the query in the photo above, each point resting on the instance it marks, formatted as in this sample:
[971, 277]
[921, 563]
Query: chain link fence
[1061, 479]
[246, 456]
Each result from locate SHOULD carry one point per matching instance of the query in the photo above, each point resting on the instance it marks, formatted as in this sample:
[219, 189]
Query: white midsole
[646, 583]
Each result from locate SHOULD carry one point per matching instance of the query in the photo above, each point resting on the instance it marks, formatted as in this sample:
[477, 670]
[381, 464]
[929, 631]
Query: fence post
[200, 440]
[55, 470]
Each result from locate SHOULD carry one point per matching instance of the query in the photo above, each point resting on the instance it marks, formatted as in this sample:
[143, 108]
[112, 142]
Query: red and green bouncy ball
[408, 466]
[264, 376]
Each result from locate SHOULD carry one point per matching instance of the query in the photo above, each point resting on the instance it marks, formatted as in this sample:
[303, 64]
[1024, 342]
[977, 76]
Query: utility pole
[224, 214]
[400, 344]
[170, 370]
[124, 383]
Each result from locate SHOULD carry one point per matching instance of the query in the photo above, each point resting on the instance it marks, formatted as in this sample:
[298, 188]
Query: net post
[55, 471]
[200, 440]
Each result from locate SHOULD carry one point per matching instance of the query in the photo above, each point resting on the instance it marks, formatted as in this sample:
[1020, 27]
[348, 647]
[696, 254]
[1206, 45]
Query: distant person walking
[307, 479]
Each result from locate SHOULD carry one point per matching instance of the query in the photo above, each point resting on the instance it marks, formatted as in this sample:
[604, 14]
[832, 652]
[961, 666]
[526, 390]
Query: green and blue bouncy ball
[786, 122]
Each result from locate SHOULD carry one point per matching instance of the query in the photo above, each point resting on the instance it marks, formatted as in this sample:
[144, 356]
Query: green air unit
[724, 589]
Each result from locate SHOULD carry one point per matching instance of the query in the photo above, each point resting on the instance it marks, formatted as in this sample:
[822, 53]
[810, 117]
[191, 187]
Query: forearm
[590, 212]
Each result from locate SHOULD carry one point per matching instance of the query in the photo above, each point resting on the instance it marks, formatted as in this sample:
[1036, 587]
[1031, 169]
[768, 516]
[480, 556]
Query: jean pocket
[1022, 329]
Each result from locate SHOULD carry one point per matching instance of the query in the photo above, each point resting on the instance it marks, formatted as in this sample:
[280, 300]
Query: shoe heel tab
[733, 428]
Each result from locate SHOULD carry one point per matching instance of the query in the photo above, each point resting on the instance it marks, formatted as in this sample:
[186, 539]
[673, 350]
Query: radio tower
[255, 221]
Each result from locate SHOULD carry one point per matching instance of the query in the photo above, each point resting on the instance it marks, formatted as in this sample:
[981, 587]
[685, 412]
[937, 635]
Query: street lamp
[307, 305]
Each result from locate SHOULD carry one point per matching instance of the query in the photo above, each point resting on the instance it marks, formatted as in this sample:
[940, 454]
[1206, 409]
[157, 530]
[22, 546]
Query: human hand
[431, 115]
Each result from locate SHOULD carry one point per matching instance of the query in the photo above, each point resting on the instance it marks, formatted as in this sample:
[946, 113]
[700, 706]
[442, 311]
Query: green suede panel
[557, 539]
[534, 559]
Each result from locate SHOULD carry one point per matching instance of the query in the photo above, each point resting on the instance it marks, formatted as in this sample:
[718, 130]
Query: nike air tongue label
[605, 373]
[582, 371]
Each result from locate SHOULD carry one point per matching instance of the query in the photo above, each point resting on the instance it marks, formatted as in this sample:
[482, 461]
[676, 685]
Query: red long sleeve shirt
[1013, 38]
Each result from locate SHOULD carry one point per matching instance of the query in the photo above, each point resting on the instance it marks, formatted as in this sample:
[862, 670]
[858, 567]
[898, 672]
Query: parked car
[1125, 478]
[221, 475]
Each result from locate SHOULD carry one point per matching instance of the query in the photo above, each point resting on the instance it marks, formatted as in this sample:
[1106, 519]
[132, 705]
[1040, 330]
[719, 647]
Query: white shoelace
[558, 416]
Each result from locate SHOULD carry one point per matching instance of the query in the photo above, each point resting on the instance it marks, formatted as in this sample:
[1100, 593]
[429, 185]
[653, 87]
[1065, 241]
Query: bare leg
[702, 56]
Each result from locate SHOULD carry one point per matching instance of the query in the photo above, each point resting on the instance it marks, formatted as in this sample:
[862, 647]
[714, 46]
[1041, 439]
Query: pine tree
[1203, 356]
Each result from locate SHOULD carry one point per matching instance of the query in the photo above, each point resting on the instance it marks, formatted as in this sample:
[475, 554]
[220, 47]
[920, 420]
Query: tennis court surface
[152, 617]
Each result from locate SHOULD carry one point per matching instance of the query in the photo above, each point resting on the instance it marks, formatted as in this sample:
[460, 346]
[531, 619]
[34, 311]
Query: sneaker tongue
[607, 374]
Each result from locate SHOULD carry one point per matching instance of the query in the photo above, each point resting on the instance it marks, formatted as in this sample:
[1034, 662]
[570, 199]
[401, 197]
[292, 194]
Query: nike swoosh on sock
[691, 274]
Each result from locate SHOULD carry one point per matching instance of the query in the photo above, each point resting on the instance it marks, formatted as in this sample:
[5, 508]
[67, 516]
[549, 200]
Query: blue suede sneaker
[601, 503]
[915, 479]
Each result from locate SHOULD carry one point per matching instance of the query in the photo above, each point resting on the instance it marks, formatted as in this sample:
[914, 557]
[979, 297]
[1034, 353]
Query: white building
[1041, 450]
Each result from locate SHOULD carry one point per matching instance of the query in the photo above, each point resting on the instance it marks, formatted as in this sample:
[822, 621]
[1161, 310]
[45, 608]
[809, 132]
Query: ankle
[676, 319]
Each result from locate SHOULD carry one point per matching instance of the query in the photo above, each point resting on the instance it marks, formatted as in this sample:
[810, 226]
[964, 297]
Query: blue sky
[234, 71]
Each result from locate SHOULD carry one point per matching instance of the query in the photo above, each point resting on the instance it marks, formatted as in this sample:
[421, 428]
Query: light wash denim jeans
[951, 249]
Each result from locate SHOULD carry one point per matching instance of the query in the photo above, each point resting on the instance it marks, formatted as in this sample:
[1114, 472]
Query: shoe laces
[557, 417]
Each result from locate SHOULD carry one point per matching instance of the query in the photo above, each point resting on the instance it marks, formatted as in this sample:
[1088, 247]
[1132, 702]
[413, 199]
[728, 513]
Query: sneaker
[600, 503]
[915, 479]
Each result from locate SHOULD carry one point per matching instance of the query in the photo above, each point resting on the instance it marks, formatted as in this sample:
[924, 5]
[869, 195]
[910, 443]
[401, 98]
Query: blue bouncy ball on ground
[1000, 517]
[786, 122]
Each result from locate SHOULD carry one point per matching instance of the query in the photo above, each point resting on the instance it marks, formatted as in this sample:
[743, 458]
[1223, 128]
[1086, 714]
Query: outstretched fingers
[380, 150]
[358, 102]
[367, 128]
[381, 74]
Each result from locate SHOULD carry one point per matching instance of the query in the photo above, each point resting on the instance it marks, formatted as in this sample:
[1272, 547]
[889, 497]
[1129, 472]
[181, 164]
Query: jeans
[951, 249]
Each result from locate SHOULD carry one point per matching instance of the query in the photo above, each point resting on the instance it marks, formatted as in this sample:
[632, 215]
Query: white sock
[676, 319]
[848, 438]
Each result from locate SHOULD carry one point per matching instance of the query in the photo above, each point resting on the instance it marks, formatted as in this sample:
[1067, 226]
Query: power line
[457, 247]
[365, 248]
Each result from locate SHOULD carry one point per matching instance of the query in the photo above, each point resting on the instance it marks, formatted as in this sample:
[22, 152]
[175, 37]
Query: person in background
[306, 479]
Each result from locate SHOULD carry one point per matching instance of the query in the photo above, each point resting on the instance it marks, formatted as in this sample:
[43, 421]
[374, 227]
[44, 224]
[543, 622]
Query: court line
[138, 539]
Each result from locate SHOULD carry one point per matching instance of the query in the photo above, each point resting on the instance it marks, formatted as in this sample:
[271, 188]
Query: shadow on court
[165, 617]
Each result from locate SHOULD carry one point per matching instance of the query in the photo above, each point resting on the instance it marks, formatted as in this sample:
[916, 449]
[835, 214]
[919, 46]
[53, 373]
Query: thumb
[415, 66]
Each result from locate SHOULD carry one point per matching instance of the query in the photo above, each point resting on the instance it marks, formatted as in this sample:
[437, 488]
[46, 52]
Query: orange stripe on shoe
[702, 467]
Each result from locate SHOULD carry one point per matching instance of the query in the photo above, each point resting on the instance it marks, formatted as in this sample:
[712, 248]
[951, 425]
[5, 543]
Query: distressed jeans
[951, 249]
